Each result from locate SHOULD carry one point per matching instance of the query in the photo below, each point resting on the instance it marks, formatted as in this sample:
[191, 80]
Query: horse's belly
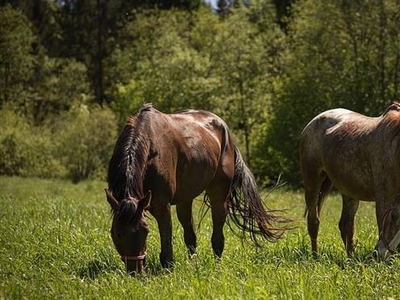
[355, 191]
[357, 184]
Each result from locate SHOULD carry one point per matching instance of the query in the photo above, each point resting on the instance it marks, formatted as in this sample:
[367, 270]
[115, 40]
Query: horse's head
[389, 237]
[129, 230]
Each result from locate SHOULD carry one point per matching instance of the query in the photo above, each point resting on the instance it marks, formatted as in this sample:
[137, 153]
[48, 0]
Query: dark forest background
[72, 71]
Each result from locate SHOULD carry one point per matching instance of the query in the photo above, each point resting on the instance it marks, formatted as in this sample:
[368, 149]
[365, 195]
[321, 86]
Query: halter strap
[125, 258]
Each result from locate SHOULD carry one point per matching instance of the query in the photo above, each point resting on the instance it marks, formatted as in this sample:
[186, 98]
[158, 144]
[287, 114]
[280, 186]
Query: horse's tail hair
[246, 208]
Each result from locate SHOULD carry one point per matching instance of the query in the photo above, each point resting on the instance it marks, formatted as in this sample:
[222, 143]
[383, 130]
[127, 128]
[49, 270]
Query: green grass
[55, 244]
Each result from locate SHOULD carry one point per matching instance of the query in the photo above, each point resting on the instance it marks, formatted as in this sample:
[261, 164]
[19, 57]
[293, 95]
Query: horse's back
[335, 128]
[331, 118]
[313, 134]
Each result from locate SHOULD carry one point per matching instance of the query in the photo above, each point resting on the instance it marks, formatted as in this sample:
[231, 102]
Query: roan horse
[161, 160]
[360, 156]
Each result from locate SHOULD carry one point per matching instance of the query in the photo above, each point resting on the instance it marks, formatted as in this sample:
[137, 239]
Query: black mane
[127, 166]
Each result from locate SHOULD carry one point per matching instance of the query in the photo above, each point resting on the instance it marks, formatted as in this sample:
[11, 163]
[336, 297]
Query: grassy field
[55, 244]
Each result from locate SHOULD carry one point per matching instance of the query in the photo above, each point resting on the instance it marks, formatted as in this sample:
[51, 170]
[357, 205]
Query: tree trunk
[100, 51]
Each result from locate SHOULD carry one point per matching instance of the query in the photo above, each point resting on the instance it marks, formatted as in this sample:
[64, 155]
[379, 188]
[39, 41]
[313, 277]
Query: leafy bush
[86, 138]
[25, 150]
[79, 146]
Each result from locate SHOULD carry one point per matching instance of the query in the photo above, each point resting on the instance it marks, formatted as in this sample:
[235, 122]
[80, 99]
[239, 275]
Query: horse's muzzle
[381, 252]
[134, 265]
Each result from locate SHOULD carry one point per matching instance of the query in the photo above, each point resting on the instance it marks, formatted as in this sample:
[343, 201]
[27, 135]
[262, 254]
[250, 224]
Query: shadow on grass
[299, 252]
[330, 255]
[94, 268]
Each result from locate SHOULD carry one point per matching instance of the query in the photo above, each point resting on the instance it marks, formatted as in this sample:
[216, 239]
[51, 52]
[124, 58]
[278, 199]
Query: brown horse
[360, 156]
[161, 160]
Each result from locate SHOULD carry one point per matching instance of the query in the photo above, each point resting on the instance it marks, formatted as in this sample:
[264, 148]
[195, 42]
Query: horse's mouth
[381, 252]
[136, 267]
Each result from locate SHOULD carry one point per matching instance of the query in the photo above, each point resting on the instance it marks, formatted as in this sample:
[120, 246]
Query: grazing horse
[360, 156]
[389, 237]
[161, 160]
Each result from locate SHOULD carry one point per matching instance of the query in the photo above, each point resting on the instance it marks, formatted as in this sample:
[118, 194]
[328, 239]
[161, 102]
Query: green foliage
[26, 151]
[265, 69]
[55, 243]
[243, 61]
[86, 138]
[17, 60]
[337, 57]
[167, 71]
[78, 146]
[127, 99]
[63, 82]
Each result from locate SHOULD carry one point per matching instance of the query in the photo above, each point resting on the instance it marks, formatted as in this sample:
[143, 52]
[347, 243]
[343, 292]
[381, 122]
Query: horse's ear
[145, 201]
[111, 200]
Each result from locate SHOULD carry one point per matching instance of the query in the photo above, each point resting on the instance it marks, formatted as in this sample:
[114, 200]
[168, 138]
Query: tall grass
[55, 243]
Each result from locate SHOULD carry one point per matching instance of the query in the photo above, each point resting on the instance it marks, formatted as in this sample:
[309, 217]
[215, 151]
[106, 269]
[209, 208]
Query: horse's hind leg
[312, 218]
[346, 223]
[219, 211]
[314, 193]
[185, 217]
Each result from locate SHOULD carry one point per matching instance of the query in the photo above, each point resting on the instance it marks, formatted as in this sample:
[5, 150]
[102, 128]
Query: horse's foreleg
[346, 223]
[185, 217]
[163, 216]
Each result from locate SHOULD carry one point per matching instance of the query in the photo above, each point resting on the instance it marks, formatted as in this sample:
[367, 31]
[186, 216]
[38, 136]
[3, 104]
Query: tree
[162, 66]
[340, 55]
[17, 61]
[243, 61]
[61, 84]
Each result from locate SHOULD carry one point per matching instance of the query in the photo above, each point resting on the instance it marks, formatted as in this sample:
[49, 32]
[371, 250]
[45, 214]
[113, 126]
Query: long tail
[246, 209]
